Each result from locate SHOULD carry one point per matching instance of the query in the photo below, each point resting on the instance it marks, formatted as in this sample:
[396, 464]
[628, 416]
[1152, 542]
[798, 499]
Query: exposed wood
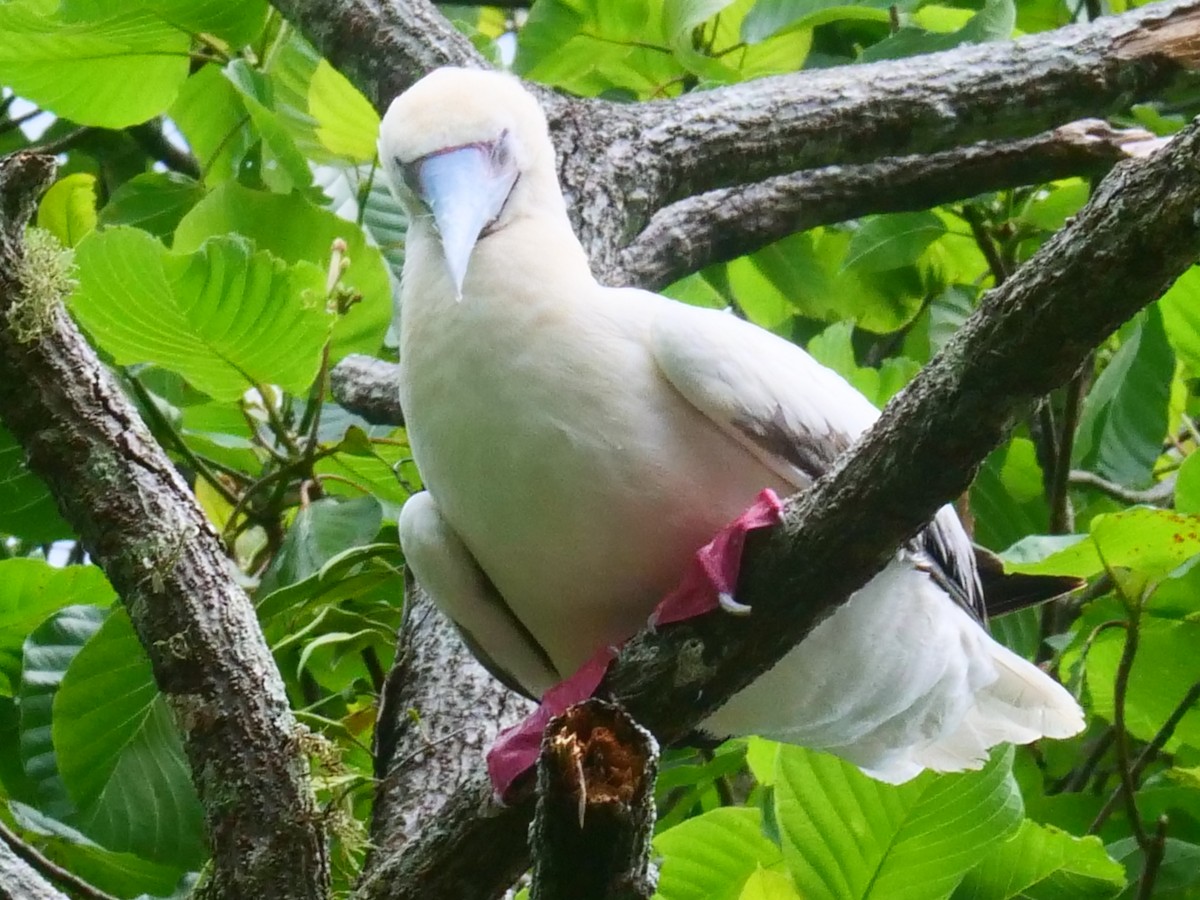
[595, 810]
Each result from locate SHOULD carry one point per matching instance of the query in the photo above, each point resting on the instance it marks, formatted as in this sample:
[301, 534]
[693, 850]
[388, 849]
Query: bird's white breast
[576, 475]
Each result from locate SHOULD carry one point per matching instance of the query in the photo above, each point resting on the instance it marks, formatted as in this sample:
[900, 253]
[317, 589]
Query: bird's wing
[795, 415]
[454, 581]
[783, 406]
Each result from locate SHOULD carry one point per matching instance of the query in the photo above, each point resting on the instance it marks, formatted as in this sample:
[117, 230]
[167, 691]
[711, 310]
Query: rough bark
[368, 387]
[721, 225]
[595, 810]
[20, 881]
[140, 523]
[439, 712]
[1139, 232]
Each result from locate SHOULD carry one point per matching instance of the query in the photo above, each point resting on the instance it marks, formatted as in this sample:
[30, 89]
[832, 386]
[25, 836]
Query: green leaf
[1151, 542]
[994, 22]
[212, 116]
[68, 209]
[223, 317]
[119, 753]
[1165, 667]
[592, 47]
[711, 856]
[1180, 308]
[236, 23]
[297, 231]
[111, 72]
[26, 508]
[891, 241]
[1187, 485]
[48, 652]
[30, 590]
[153, 202]
[833, 348]
[321, 531]
[846, 835]
[338, 577]
[767, 885]
[330, 121]
[1124, 418]
[1007, 496]
[284, 167]
[1043, 863]
[771, 17]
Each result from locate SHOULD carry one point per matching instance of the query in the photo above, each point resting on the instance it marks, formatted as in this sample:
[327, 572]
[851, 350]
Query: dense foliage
[232, 241]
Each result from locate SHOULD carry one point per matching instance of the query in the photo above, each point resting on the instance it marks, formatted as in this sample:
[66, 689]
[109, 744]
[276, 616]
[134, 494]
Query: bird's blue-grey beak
[465, 189]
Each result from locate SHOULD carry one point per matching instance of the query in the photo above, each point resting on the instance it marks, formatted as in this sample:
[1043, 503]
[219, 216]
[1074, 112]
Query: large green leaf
[224, 317]
[30, 590]
[1150, 542]
[235, 22]
[119, 753]
[381, 214]
[113, 71]
[846, 835]
[891, 241]
[329, 120]
[48, 652]
[26, 508]
[153, 202]
[295, 230]
[711, 856]
[1124, 419]
[833, 348]
[1043, 863]
[1165, 667]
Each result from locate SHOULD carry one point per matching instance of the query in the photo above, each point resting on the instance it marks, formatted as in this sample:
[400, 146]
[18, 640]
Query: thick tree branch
[439, 712]
[922, 104]
[724, 224]
[1137, 235]
[138, 520]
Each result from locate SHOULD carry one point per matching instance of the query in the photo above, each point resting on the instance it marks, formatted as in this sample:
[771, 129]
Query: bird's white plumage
[579, 443]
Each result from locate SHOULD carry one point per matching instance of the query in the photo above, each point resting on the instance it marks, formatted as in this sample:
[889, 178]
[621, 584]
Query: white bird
[578, 443]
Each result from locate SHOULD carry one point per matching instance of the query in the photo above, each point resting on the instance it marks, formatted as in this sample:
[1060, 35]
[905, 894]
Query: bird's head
[457, 146]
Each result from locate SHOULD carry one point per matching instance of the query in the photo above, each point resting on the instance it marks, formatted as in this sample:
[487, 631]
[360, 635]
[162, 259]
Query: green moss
[46, 278]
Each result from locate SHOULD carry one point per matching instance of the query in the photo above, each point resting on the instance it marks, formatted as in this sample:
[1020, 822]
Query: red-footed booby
[578, 443]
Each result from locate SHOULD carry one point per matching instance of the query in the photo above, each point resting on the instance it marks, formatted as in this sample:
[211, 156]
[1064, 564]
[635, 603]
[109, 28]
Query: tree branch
[921, 104]
[368, 387]
[439, 712]
[1122, 251]
[20, 881]
[138, 520]
[724, 224]
[43, 865]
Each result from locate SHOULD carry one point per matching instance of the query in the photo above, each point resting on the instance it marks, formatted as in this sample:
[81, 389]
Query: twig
[1161, 494]
[1153, 856]
[50, 868]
